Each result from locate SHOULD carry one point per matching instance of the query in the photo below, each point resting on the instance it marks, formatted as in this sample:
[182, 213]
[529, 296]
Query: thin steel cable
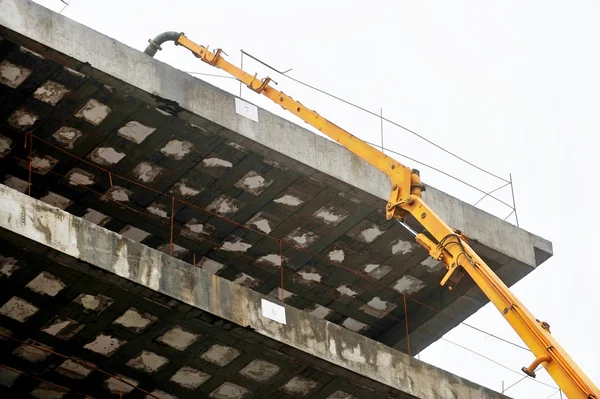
[381, 146]
[210, 74]
[481, 355]
[557, 391]
[491, 192]
[65, 5]
[497, 363]
[374, 114]
[532, 379]
[522, 379]
[445, 174]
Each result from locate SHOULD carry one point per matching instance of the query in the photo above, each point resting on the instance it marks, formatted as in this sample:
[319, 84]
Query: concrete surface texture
[106, 119]
[71, 287]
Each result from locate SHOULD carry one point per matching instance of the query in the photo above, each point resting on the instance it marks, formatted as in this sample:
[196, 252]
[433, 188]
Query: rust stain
[215, 303]
[238, 313]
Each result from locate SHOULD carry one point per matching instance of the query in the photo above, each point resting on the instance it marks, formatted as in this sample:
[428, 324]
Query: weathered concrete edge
[150, 75]
[158, 271]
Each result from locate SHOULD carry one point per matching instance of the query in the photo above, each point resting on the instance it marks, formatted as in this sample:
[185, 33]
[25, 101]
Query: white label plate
[273, 311]
[245, 109]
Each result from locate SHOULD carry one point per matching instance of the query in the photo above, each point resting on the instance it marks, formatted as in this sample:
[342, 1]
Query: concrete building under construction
[160, 240]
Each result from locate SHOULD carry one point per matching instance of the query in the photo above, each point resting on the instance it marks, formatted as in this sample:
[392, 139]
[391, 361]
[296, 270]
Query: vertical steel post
[512, 189]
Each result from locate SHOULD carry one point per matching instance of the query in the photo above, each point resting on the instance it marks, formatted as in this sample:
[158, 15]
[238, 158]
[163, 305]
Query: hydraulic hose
[155, 44]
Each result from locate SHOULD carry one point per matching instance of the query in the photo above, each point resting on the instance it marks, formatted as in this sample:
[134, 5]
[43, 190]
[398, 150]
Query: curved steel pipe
[155, 44]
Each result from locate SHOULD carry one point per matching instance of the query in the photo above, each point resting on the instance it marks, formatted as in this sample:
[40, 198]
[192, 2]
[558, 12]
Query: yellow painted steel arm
[447, 245]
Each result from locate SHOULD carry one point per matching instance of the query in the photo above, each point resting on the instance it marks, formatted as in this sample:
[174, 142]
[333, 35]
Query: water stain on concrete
[31, 353]
[289, 200]
[49, 391]
[299, 386]
[18, 309]
[301, 237]
[177, 149]
[5, 145]
[237, 245]
[148, 362]
[105, 345]
[216, 163]
[62, 327]
[119, 194]
[228, 390]
[408, 284]
[74, 369]
[370, 234]
[178, 338]
[157, 209]
[50, 92]
[186, 189]
[93, 304]
[224, 206]
[345, 290]
[106, 156]
[337, 255]
[94, 112]
[22, 119]
[67, 136]
[135, 131]
[189, 377]
[377, 271]
[16, 184]
[254, 183]
[13, 75]
[147, 172]
[46, 284]
[331, 215]
[117, 385]
[401, 247]
[134, 320]
[377, 307]
[8, 266]
[260, 370]
[80, 177]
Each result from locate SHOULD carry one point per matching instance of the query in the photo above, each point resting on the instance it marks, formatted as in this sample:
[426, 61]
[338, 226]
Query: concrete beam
[283, 141]
[71, 235]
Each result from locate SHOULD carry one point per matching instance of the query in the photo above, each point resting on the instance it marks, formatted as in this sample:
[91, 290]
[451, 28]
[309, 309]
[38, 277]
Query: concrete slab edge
[323, 156]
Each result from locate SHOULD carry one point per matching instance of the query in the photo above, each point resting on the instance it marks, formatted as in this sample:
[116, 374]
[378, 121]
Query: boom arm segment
[447, 245]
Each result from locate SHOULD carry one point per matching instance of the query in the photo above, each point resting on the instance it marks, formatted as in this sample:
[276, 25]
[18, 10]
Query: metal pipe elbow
[154, 45]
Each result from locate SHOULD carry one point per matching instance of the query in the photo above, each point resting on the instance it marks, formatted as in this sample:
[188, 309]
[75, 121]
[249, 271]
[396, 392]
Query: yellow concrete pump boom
[441, 241]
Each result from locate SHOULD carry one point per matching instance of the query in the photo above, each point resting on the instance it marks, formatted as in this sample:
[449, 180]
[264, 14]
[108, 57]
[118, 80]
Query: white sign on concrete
[273, 311]
[245, 109]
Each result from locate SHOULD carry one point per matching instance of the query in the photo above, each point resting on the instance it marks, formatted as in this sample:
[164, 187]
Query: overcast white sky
[512, 86]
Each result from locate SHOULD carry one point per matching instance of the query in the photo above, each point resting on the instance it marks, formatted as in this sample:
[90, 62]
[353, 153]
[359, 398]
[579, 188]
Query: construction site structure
[442, 242]
[164, 238]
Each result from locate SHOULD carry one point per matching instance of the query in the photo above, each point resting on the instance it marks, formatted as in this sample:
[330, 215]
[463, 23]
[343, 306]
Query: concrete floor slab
[242, 351]
[121, 112]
